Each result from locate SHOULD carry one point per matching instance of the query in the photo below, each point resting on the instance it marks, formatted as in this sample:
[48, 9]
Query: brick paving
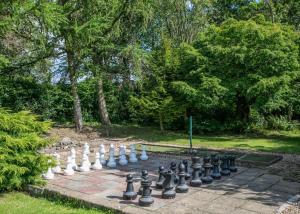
[250, 190]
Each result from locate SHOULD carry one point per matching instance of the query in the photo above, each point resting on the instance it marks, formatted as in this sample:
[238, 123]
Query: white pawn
[102, 154]
[122, 154]
[86, 164]
[73, 159]
[57, 168]
[86, 148]
[132, 155]
[69, 169]
[49, 175]
[144, 155]
[97, 164]
[111, 161]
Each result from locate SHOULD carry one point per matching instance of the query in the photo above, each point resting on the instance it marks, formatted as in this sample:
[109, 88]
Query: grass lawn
[282, 142]
[21, 203]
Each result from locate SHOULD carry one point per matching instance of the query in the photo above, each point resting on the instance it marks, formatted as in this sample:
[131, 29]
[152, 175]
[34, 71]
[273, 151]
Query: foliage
[20, 142]
[256, 62]
[233, 65]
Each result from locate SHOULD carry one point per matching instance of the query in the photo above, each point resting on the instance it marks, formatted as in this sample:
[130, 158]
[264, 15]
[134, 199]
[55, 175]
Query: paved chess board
[250, 190]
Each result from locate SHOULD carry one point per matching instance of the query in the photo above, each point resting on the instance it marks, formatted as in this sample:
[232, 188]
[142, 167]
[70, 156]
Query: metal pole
[191, 132]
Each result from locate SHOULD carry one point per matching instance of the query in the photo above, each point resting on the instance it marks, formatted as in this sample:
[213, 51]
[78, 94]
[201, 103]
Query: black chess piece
[173, 167]
[129, 194]
[232, 166]
[197, 172]
[144, 176]
[186, 165]
[225, 166]
[146, 200]
[169, 185]
[215, 159]
[207, 179]
[182, 187]
[161, 178]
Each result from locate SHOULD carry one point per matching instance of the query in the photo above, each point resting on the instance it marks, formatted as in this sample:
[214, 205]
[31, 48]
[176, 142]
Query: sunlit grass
[21, 203]
[268, 141]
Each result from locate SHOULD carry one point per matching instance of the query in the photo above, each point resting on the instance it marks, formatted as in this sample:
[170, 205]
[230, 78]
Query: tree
[222, 10]
[254, 59]
[154, 98]
[21, 163]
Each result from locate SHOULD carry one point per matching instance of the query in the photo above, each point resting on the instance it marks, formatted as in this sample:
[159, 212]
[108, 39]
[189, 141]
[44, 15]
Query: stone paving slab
[250, 190]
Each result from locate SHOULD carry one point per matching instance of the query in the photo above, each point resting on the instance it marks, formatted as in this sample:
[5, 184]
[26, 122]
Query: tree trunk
[102, 104]
[270, 7]
[77, 107]
[242, 109]
[161, 125]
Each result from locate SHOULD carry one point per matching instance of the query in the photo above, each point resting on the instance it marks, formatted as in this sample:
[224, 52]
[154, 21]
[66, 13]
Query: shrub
[280, 123]
[21, 140]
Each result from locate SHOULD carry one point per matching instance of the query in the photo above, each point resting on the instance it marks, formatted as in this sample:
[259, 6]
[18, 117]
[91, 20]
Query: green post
[191, 132]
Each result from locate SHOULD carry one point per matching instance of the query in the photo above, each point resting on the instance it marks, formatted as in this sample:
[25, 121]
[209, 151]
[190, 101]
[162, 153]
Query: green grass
[281, 142]
[18, 202]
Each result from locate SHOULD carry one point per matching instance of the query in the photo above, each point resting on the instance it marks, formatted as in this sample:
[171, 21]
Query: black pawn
[182, 187]
[169, 185]
[186, 165]
[146, 199]
[197, 171]
[161, 178]
[232, 166]
[130, 194]
[207, 179]
[144, 176]
[215, 159]
[225, 166]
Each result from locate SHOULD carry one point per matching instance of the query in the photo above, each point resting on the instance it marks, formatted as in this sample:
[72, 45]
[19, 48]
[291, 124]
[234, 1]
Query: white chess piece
[132, 155]
[57, 168]
[86, 148]
[111, 161]
[102, 154]
[97, 164]
[122, 155]
[69, 169]
[73, 158]
[86, 164]
[144, 155]
[49, 175]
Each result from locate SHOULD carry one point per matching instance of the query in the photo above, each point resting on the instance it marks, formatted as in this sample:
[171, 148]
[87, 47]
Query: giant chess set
[173, 178]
